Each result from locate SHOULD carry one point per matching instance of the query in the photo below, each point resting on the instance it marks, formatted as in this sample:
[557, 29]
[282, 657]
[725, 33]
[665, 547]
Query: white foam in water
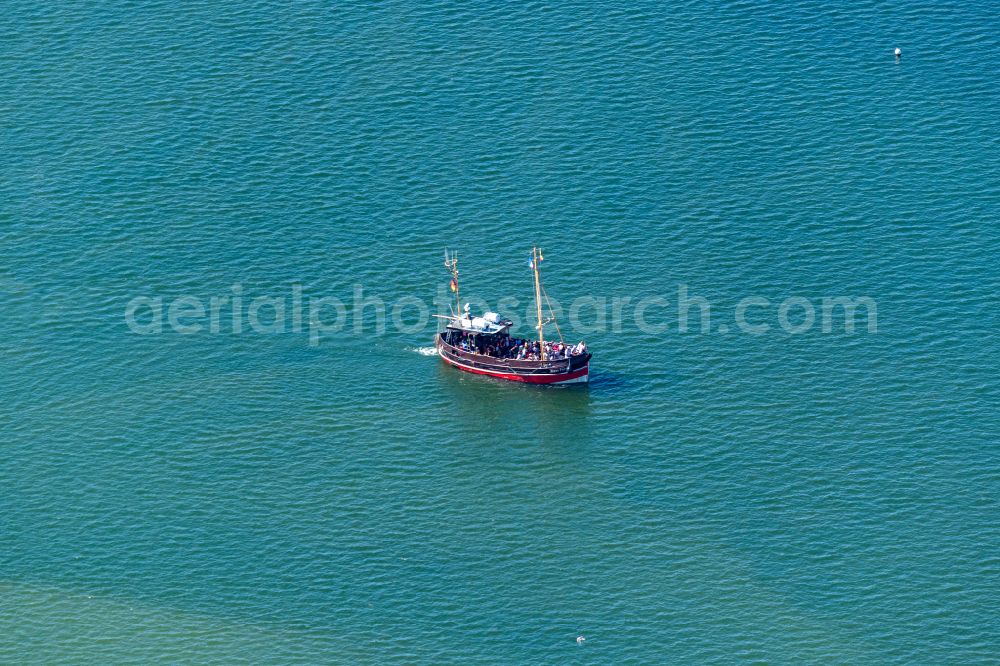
[425, 351]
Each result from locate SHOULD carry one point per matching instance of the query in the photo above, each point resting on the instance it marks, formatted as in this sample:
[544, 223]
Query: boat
[483, 344]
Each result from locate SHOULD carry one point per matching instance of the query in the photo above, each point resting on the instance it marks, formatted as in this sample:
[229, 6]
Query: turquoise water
[710, 498]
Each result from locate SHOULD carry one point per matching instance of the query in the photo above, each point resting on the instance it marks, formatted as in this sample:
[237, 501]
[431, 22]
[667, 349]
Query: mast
[536, 256]
[451, 263]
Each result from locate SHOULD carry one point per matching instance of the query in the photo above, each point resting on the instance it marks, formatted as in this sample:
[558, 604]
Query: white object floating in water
[899, 51]
[580, 640]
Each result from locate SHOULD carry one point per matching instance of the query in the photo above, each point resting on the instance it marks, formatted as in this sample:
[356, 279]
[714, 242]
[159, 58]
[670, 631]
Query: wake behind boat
[483, 345]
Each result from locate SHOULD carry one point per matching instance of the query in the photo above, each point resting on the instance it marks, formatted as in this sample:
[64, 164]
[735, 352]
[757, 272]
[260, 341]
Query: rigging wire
[553, 313]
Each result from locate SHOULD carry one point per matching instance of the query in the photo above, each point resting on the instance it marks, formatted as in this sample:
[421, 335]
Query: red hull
[577, 376]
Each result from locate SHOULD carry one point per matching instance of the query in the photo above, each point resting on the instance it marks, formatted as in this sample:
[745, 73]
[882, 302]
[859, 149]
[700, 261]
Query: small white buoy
[580, 640]
[899, 52]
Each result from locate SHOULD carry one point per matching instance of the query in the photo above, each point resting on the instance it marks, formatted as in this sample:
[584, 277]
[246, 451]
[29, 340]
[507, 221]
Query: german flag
[454, 285]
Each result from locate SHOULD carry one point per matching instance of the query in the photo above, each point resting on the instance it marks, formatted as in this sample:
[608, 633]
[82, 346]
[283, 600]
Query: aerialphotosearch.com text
[235, 312]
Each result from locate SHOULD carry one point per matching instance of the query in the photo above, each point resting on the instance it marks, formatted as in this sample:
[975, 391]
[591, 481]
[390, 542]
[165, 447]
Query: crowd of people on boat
[506, 347]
